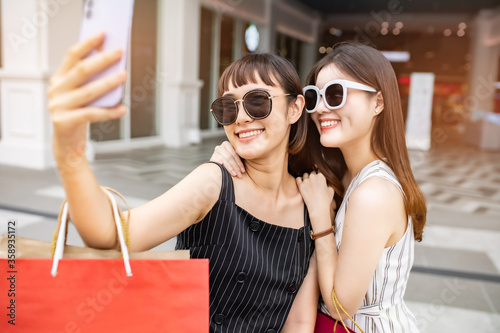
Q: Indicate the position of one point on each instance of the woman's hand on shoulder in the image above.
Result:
(316, 193)
(226, 155)
(69, 94)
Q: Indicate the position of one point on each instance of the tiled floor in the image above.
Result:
(455, 284)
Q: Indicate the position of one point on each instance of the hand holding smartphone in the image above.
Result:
(114, 18)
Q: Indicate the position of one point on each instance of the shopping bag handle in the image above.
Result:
(62, 228)
(66, 220)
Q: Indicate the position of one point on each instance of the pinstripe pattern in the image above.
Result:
(383, 308)
(256, 268)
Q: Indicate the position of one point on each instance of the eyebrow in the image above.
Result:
(233, 95)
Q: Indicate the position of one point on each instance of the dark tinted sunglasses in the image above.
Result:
(334, 94)
(256, 103)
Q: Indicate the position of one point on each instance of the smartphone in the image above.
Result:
(114, 17)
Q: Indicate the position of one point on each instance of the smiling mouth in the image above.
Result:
(244, 135)
(329, 123)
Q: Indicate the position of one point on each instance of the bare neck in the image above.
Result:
(356, 157)
(269, 176)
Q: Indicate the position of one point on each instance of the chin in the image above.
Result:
(328, 141)
(248, 153)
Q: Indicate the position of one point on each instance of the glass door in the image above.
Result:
(221, 42)
(141, 86)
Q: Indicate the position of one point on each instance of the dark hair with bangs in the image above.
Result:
(275, 71)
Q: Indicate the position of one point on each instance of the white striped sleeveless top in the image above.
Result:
(383, 308)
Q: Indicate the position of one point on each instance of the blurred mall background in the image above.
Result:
(180, 48)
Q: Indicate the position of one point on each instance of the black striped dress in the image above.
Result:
(256, 268)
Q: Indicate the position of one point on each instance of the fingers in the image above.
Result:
(80, 97)
(86, 115)
(230, 149)
(314, 178)
(225, 154)
(81, 71)
(79, 51)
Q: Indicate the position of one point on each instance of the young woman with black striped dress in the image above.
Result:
(253, 230)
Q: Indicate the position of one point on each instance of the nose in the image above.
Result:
(321, 107)
(242, 116)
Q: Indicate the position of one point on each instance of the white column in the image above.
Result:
(35, 35)
(268, 30)
(179, 88)
(484, 65)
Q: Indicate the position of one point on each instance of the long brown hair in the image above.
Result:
(370, 67)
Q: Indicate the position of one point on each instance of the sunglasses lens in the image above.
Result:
(311, 97)
(257, 104)
(224, 110)
(334, 95)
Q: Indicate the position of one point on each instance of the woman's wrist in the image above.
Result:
(322, 233)
(322, 218)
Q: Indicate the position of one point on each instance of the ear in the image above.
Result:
(295, 109)
(379, 103)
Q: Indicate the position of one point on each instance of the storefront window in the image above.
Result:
(143, 83)
(222, 40)
(289, 48)
(226, 42)
(140, 94)
(206, 31)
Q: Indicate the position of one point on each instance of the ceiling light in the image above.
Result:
(396, 31)
(384, 31)
(335, 32)
(397, 56)
(462, 26)
(322, 49)
(447, 32)
(399, 25)
(460, 33)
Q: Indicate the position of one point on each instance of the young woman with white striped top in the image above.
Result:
(253, 230)
(365, 239)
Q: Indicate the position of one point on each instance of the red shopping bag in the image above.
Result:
(95, 295)
(326, 324)
(68, 294)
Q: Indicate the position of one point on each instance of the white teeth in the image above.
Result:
(251, 133)
(329, 123)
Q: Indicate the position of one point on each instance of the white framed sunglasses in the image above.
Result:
(334, 94)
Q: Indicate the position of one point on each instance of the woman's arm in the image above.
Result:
(302, 316)
(150, 224)
(68, 96)
(375, 208)
(180, 207)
